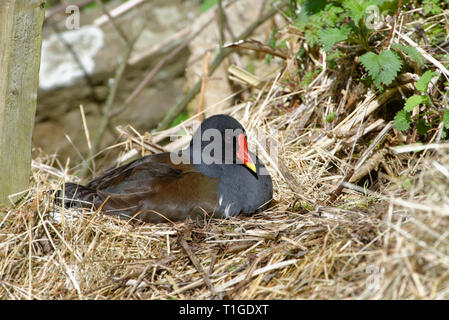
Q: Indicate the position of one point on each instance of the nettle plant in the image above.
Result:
(351, 27)
(328, 23)
(426, 115)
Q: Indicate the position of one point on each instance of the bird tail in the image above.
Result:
(75, 195)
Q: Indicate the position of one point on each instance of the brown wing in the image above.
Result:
(153, 188)
(131, 175)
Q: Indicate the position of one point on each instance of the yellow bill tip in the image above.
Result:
(252, 166)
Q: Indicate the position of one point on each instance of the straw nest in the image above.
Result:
(390, 243)
(353, 216)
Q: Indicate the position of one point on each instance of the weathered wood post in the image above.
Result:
(20, 53)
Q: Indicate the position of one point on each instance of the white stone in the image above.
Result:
(58, 66)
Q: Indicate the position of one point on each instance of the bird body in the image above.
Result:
(156, 188)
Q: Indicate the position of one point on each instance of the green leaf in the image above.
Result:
(358, 8)
(272, 39)
(333, 14)
(406, 184)
(412, 53)
(291, 10)
(306, 79)
(311, 37)
(402, 120)
(390, 67)
(413, 101)
(250, 67)
(207, 4)
(398, 46)
(330, 117)
(355, 8)
(330, 36)
(446, 119)
(422, 127)
(431, 6)
(183, 116)
(383, 68)
(92, 5)
(311, 7)
(370, 61)
(423, 82)
(444, 133)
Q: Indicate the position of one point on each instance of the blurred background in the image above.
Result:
(83, 50)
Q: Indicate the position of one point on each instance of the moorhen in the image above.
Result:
(214, 175)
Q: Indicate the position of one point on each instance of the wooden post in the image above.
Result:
(20, 54)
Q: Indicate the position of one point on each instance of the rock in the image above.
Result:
(59, 68)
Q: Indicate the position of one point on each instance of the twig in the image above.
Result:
(221, 55)
(171, 41)
(203, 86)
(156, 70)
(262, 270)
(369, 165)
(108, 105)
(86, 132)
(242, 76)
(159, 66)
(257, 46)
(222, 23)
(75, 57)
(213, 258)
(238, 288)
(373, 145)
(153, 147)
(196, 263)
(362, 159)
(340, 187)
(292, 182)
(118, 11)
(139, 280)
(370, 104)
(114, 23)
(425, 55)
(390, 34)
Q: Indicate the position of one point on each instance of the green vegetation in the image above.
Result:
(207, 4)
(382, 68)
(351, 31)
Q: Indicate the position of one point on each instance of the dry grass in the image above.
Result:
(384, 237)
(372, 246)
